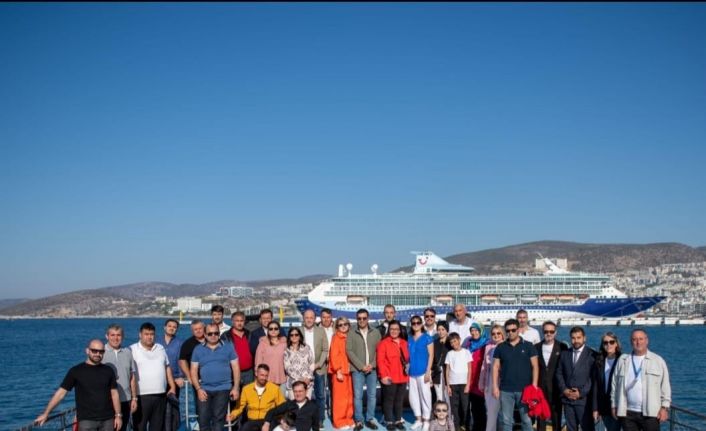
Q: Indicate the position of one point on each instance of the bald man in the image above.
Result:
(97, 398)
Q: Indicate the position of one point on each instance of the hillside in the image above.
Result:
(581, 256)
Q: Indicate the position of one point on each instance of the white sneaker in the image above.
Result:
(416, 425)
(425, 427)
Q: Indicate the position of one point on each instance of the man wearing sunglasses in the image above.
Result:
(361, 347)
(548, 353)
(216, 376)
(97, 399)
(515, 366)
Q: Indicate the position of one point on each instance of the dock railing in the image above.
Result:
(685, 420)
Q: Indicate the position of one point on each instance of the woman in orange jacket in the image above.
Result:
(392, 361)
(341, 382)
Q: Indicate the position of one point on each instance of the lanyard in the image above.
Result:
(635, 370)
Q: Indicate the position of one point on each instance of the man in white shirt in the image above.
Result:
(527, 332)
(462, 322)
(641, 393)
(217, 318)
(153, 377)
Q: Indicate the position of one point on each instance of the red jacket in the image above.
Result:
(538, 406)
(389, 360)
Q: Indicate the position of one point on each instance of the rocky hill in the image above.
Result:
(581, 256)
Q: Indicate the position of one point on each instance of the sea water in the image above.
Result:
(36, 354)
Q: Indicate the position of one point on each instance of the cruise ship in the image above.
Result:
(554, 294)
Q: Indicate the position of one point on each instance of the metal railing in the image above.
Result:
(683, 419)
(60, 421)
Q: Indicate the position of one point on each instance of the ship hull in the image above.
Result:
(591, 308)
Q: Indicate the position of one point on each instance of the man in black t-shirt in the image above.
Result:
(97, 399)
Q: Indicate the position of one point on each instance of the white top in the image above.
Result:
(547, 352)
(458, 360)
(633, 383)
(151, 368)
(431, 331)
(531, 335)
(309, 340)
(462, 329)
(606, 372)
(223, 328)
(364, 333)
(329, 333)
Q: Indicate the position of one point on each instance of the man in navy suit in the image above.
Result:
(573, 379)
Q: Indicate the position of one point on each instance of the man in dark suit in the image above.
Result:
(548, 352)
(573, 379)
(307, 411)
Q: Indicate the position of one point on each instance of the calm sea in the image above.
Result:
(37, 353)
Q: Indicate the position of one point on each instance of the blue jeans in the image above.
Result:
(320, 384)
(508, 401)
(361, 379)
(212, 412)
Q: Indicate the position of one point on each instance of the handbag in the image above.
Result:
(405, 364)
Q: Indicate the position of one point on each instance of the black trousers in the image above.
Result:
(150, 412)
(635, 421)
(459, 405)
(393, 396)
(252, 425)
(556, 407)
(578, 415)
(478, 412)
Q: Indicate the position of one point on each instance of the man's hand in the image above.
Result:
(117, 423)
(663, 414)
(203, 396)
(266, 426)
(368, 368)
(133, 405)
(41, 419)
(596, 416)
(427, 377)
(386, 381)
(339, 375)
(496, 393)
(615, 413)
(467, 389)
(179, 382)
(234, 393)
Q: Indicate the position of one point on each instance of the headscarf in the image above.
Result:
(474, 345)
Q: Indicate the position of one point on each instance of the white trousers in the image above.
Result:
(420, 397)
(492, 407)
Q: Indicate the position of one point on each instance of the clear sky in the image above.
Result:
(198, 142)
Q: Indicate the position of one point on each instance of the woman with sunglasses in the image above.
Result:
(603, 378)
(340, 377)
(476, 344)
(421, 358)
(270, 351)
(485, 380)
(298, 362)
(392, 360)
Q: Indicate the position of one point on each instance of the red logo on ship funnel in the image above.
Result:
(422, 261)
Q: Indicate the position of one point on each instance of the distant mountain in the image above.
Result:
(117, 300)
(4, 303)
(581, 256)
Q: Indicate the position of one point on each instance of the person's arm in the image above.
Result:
(276, 411)
(614, 390)
(240, 405)
(446, 377)
(483, 373)
(430, 362)
(383, 369)
(665, 393)
(259, 355)
(133, 392)
(200, 392)
(324, 352)
(469, 381)
(185, 369)
(53, 402)
(559, 377)
(496, 378)
(535, 371)
(115, 397)
(235, 369)
(170, 380)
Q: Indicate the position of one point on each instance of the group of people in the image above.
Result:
(455, 375)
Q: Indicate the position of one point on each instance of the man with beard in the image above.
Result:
(97, 399)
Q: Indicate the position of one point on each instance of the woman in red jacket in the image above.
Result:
(392, 362)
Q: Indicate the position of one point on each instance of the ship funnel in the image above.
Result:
(340, 270)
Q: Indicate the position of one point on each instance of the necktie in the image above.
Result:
(576, 355)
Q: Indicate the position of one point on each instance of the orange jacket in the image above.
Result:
(389, 359)
(338, 358)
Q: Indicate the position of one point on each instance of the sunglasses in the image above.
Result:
(417, 323)
(293, 335)
(496, 333)
(607, 342)
(361, 318)
(441, 410)
(97, 351)
(549, 332)
(511, 330)
(213, 333)
(274, 328)
(341, 325)
(429, 316)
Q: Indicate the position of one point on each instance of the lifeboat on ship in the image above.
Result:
(508, 298)
(356, 299)
(489, 298)
(444, 299)
(548, 297)
(528, 298)
(566, 298)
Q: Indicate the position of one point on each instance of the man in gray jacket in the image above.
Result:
(315, 337)
(640, 392)
(361, 345)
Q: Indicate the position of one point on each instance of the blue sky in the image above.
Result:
(197, 142)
